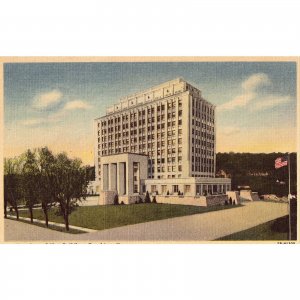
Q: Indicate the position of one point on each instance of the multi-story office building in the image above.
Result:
(174, 127)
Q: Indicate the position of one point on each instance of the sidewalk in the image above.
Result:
(60, 225)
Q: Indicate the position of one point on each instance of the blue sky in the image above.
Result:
(55, 104)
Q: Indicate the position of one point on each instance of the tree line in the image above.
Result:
(41, 178)
(258, 171)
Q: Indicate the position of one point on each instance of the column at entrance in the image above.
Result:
(104, 177)
(113, 177)
(121, 180)
(129, 178)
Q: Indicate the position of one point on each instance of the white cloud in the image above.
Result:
(270, 101)
(238, 101)
(77, 104)
(256, 81)
(45, 100)
(58, 115)
(251, 96)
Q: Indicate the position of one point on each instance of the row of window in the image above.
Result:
(160, 133)
(144, 141)
(125, 130)
(171, 104)
(207, 143)
(142, 123)
(142, 150)
(202, 169)
(204, 132)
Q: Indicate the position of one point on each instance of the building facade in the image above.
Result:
(174, 127)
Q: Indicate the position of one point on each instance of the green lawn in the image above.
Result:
(109, 216)
(276, 230)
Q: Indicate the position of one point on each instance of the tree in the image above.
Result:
(147, 198)
(154, 199)
(90, 173)
(47, 188)
(30, 181)
(70, 184)
(12, 192)
(257, 170)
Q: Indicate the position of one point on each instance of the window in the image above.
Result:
(153, 188)
(164, 189)
(175, 188)
(135, 188)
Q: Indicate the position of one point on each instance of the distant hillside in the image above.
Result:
(257, 170)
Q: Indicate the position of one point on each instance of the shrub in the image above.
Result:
(147, 198)
(230, 201)
(233, 202)
(116, 199)
(154, 199)
(168, 193)
(140, 200)
(226, 202)
(122, 203)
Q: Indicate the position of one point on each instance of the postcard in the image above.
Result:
(149, 150)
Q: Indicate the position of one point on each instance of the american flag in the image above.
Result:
(281, 162)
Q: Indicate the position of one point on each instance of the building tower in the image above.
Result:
(168, 130)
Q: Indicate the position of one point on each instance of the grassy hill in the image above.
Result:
(257, 170)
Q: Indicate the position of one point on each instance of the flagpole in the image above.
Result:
(289, 197)
(289, 174)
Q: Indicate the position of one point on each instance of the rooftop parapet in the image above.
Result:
(157, 92)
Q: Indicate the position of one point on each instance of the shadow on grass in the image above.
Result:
(51, 226)
(275, 230)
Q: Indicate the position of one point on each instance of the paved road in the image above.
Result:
(201, 227)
